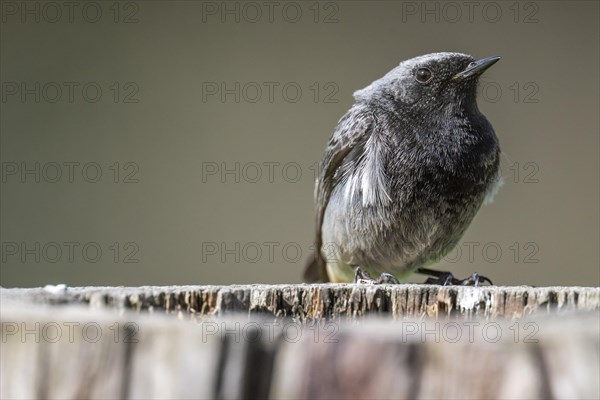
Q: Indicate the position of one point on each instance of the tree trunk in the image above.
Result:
(300, 341)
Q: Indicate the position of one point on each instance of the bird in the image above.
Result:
(404, 173)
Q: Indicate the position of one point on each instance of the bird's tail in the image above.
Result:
(315, 270)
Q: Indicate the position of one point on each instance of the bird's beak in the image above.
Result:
(476, 67)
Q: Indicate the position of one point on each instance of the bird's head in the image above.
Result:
(428, 84)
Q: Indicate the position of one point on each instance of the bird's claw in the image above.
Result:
(363, 277)
(475, 279)
(447, 279)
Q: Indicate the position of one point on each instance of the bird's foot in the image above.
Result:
(446, 278)
(363, 277)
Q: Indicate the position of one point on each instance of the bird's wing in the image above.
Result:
(353, 128)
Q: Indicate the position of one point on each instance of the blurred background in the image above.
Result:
(177, 142)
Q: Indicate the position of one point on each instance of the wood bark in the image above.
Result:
(328, 301)
(300, 341)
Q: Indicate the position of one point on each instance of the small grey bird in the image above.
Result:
(404, 173)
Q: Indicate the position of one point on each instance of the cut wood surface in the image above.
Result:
(300, 341)
(327, 301)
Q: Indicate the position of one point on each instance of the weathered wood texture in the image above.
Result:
(327, 301)
(300, 341)
(72, 352)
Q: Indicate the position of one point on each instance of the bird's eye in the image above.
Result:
(423, 75)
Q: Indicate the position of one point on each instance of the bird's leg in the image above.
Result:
(446, 278)
(387, 278)
(361, 276)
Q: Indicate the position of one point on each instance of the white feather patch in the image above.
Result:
(493, 189)
(373, 182)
